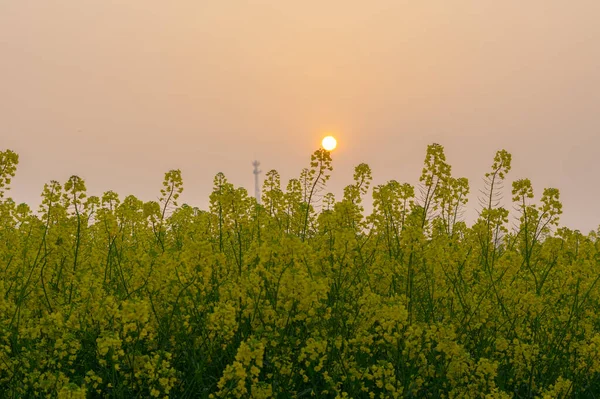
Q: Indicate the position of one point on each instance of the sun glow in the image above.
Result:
(329, 143)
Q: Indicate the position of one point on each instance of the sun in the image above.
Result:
(329, 143)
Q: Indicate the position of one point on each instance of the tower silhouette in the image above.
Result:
(256, 172)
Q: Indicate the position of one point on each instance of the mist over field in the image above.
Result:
(118, 93)
(274, 199)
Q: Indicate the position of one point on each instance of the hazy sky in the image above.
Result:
(119, 92)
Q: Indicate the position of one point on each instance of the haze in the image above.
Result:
(119, 92)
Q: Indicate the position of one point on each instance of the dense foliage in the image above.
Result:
(299, 296)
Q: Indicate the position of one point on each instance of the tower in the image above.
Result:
(256, 172)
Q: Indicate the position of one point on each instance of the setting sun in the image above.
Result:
(329, 143)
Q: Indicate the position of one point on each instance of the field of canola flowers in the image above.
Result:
(302, 296)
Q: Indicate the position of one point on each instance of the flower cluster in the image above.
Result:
(299, 295)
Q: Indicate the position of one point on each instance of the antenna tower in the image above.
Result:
(256, 172)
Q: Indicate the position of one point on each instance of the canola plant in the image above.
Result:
(300, 296)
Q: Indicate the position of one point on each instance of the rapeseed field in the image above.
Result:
(303, 295)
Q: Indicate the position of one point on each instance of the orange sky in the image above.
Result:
(119, 92)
